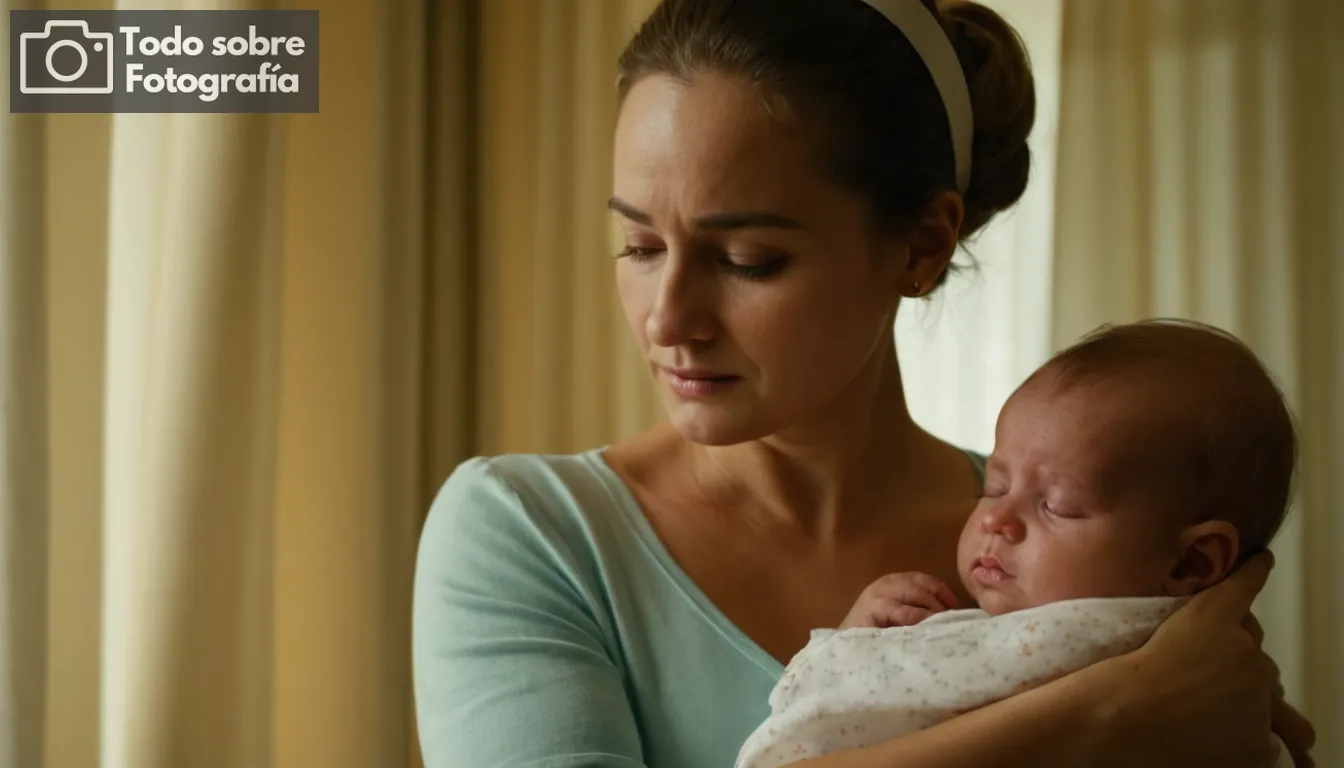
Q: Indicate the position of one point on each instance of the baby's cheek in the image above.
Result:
(1054, 591)
(969, 547)
(1101, 576)
(1054, 577)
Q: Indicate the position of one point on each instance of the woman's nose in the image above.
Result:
(1002, 520)
(683, 305)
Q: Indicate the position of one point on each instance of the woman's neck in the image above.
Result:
(824, 477)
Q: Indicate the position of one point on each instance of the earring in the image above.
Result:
(915, 288)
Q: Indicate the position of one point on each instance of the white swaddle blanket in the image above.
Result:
(858, 687)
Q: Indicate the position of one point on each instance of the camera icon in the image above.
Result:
(39, 71)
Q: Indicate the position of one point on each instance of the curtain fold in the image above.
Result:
(24, 471)
(449, 293)
(248, 347)
(218, 343)
(558, 368)
(189, 438)
(193, 309)
(76, 176)
(1201, 174)
(351, 366)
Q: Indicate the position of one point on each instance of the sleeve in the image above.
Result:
(510, 667)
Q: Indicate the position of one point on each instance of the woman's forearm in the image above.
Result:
(1073, 721)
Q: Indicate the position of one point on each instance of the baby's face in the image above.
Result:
(1065, 514)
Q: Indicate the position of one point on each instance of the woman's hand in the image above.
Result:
(1295, 730)
(1201, 691)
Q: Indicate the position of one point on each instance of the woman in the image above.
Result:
(786, 172)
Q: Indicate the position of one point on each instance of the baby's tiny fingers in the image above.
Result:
(940, 590)
(919, 595)
(908, 615)
(947, 596)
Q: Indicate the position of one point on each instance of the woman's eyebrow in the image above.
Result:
(718, 221)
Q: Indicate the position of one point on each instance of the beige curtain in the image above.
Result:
(1201, 174)
(238, 355)
(24, 470)
(558, 365)
(215, 382)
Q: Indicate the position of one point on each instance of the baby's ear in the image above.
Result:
(1208, 552)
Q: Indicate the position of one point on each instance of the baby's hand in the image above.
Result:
(900, 600)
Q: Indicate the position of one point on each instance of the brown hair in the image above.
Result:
(1228, 434)
(853, 79)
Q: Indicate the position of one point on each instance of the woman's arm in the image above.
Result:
(1200, 692)
(510, 664)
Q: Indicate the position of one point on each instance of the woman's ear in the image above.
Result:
(1208, 552)
(932, 243)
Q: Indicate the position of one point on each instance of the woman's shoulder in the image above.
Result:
(523, 472)
(525, 484)
(557, 506)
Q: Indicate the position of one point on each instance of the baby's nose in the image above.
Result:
(1002, 520)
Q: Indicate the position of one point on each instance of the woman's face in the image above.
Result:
(757, 293)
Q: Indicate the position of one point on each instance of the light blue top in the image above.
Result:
(553, 628)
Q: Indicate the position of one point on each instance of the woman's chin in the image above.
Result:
(715, 424)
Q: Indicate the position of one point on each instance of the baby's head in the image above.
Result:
(1148, 459)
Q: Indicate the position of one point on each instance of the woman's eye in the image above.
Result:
(638, 252)
(751, 271)
(756, 271)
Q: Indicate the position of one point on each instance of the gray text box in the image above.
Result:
(163, 61)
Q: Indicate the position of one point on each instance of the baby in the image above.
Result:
(1129, 472)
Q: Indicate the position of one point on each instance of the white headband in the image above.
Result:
(929, 40)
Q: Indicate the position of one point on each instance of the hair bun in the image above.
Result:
(1003, 99)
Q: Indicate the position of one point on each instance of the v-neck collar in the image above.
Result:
(633, 514)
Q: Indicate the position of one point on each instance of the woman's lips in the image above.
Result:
(988, 572)
(699, 383)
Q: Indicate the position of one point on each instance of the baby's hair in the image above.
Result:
(1232, 433)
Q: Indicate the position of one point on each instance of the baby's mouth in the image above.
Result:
(987, 571)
